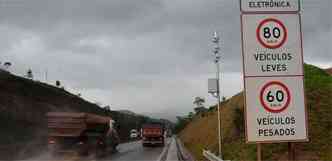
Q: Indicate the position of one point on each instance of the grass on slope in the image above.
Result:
(202, 131)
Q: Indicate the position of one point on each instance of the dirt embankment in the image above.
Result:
(201, 132)
(329, 70)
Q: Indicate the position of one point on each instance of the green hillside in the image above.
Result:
(201, 132)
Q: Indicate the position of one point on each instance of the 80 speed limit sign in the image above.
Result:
(271, 44)
(271, 33)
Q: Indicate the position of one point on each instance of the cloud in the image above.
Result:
(155, 53)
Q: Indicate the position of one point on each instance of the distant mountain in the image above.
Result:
(128, 112)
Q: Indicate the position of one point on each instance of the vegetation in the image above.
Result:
(29, 74)
(199, 109)
(202, 132)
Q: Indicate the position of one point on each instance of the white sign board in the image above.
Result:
(270, 5)
(212, 85)
(271, 44)
(275, 109)
(273, 71)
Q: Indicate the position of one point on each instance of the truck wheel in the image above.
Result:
(52, 150)
(100, 152)
(163, 142)
(83, 150)
(114, 150)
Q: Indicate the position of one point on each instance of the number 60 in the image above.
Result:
(279, 96)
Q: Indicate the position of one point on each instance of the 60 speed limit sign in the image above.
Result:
(275, 96)
(275, 109)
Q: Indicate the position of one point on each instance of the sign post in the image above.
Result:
(273, 72)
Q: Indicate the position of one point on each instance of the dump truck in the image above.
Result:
(153, 134)
(81, 133)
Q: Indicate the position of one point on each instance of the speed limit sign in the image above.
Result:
(275, 109)
(271, 33)
(271, 44)
(275, 96)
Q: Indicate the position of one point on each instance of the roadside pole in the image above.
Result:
(219, 117)
(291, 151)
(214, 87)
(259, 152)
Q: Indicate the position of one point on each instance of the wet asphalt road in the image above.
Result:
(134, 151)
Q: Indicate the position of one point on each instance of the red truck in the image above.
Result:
(153, 134)
(81, 133)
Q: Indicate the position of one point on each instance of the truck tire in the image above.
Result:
(100, 152)
(83, 150)
(163, 142)
(52, 150)
(114, 149)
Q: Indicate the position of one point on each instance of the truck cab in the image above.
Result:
(153, 134)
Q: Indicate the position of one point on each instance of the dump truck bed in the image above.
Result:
(73, 124)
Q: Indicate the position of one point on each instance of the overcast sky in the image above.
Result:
(148, 56)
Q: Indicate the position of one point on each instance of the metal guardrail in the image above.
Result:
(179, 151)
(210, 156)
(183, 153)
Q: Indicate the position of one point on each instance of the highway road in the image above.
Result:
(134, 151)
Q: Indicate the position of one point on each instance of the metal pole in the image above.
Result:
(259, 152)
(217, 59)
(291, 151)
(218, 99)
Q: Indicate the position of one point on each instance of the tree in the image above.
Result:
(7, 65)
(107, 108)
(190, 115)
(198, 101)
(29, 74)
(57, 83)
(180, 124)
(200, 110)
(223, 99)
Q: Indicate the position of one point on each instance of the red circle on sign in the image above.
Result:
(266, 107)
(268, 45)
